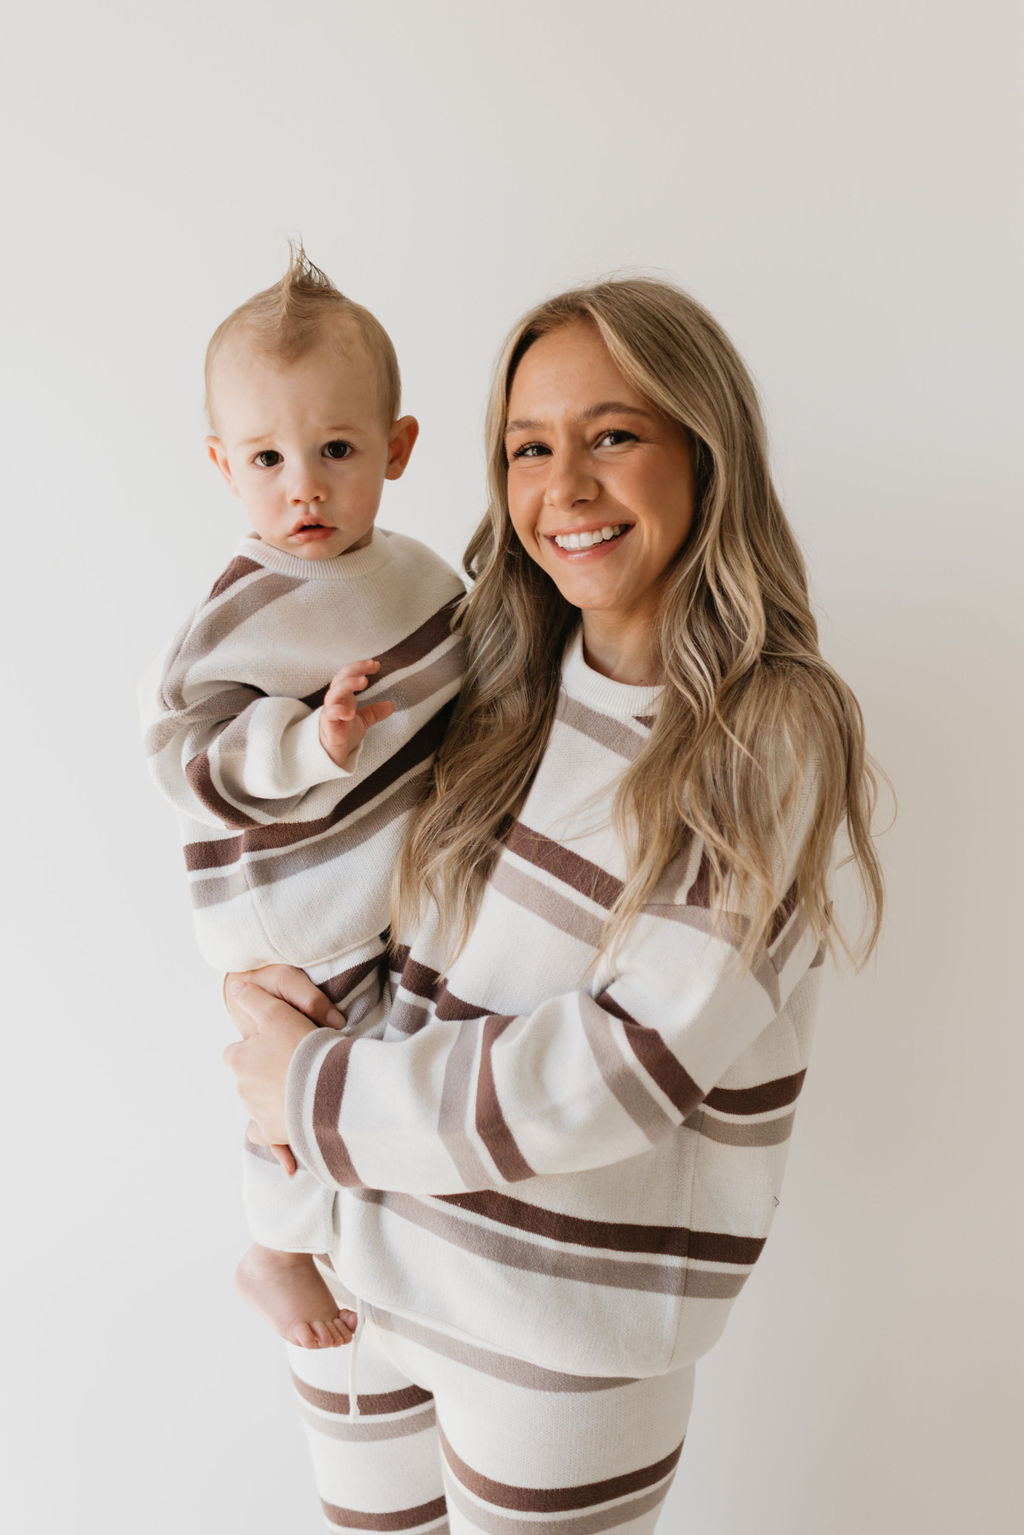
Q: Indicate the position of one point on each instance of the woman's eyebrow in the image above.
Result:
(605, 408)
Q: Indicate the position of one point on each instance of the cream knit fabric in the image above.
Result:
(576, 1165)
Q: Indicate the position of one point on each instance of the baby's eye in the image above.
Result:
(337, 449)
(268, 459)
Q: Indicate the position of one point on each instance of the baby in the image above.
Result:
(293, 784)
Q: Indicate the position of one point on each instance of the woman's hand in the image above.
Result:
(271, 1030)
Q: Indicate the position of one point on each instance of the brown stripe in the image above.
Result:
(327, 1096)
(240, 566)
(554, 909)
(373, 1404)
(200, 780)
(609, 1236)
(637, 1100)
(619, 1517)
(669, 1277)
(657, 1059)
(417, 978)
(339, 986)
(587, 878)
(699, 893)
(420, 642)
(452, 1113)
(402, 1519)
(554, 1500)
(490, 1121)
(759, 1099)
(212, 710)
(228, 850)
(785, 909)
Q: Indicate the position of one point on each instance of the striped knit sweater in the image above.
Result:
(577, 1165)
(289, 856)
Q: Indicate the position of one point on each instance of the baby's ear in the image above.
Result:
(215, 448)
(401, 440)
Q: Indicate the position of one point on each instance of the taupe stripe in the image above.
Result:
(557, 910)
(199, 774)
(327, 1096)
(490, 1121)
(609, 1236)
(598, 727)
(765, 1132)
(517, 1372)
(587, 878)
(671, 1277)
(759, 1099)
(422, 1516)
(598, 1520)
(358, 1431)
(205, 711)
(371, 1405)
(215, 889)
(212, 627)
(819, 958)
(455, 1097)
(638, 1103)
(791, 936)
(407, 1017)
(656, 1059)
(556, 1500)
(416, 751)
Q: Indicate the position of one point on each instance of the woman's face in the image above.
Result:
(600, 484)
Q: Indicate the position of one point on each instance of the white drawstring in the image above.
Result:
(353, 1399)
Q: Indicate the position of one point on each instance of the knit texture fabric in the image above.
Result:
(289, 856)
(577, 1164)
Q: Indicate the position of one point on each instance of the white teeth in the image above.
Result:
(587, 540)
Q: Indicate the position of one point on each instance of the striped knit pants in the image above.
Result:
(456, 1437)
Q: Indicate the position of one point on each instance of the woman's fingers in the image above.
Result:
(292, 986)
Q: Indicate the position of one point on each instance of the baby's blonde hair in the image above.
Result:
(288, 320)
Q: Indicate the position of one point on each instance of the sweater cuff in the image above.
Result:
(299, 1096)
(312, 764)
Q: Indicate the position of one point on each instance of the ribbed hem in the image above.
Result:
(353, 566)
(581, 682)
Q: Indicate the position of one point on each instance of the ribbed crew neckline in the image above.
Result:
(581, 682)
(353, 566)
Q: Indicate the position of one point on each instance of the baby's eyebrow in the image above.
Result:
(605, 408)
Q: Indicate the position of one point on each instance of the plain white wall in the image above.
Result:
(834, 181)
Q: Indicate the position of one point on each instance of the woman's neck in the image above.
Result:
(623, 649)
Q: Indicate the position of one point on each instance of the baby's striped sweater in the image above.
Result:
(289, 856)
(579, 1166)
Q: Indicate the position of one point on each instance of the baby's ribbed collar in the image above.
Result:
(581, 682)
(353, 566)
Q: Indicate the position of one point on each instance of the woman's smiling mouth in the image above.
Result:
(590, 538)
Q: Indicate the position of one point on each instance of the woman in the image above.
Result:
(562, 1152)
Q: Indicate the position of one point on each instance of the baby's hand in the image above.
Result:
(342, 724)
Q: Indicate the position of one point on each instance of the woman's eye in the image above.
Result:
(268, 459)
(337, 449)
(530, 450)
(615, 435)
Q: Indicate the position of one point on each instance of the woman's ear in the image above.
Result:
(401, 441)
(215, 449)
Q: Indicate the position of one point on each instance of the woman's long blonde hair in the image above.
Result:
(751, 716)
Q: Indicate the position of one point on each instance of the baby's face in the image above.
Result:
(304, 444)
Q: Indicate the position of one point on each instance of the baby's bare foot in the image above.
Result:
(287, 1290)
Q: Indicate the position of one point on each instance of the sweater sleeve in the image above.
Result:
(581, 1082)
(227, 755)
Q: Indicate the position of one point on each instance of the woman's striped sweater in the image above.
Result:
(577, 1165)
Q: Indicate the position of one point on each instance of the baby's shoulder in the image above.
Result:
(409, 555)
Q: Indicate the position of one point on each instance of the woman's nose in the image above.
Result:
(569, 481)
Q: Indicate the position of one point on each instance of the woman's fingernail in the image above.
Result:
(336, 1019)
